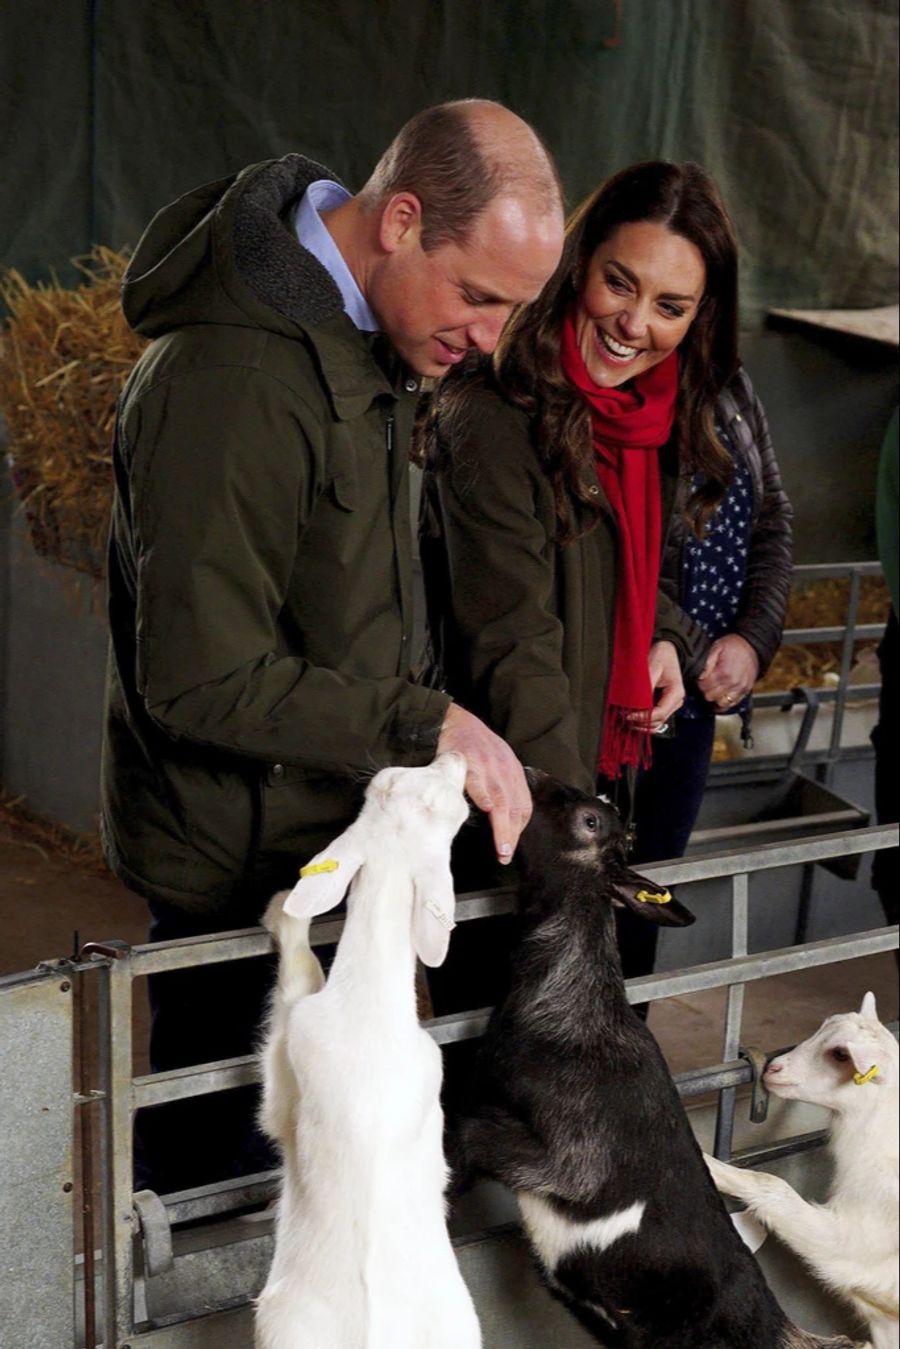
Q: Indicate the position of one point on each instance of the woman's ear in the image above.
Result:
(324, 881)
(434, 906)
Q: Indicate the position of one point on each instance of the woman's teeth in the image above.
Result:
(623, 353)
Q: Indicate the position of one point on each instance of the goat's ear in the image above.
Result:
(870, 1064)
(648, 900)
(434, 904)
(323, 881)
(868, 1008)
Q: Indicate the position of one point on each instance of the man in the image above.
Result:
(260, 569)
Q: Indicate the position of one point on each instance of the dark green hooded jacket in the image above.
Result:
(260, 558)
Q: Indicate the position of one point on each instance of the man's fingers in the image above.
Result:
(505, 836)
(507, 820)
(496, 780)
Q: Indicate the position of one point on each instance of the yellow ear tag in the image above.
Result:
(654, 896)
(862, 1078)
(317, 868)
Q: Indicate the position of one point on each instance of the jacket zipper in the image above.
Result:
(404, 657)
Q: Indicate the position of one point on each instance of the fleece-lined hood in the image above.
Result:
(227, 253)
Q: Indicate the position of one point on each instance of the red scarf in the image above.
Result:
(628, 426)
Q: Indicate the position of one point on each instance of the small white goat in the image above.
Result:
(362, 1255)
(851, 1241)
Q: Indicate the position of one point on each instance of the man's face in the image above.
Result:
(436, 306)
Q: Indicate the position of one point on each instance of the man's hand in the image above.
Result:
(495, 782)
(731, 670)
(666, 680)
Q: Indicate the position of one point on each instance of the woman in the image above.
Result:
(612, 404)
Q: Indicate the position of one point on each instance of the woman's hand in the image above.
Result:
(665, 680)
(731, 670)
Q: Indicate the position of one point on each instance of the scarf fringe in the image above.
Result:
(626, 742)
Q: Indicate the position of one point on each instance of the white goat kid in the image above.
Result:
(849, 1066)
(362, 1255)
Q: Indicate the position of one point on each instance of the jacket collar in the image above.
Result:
(356, 367)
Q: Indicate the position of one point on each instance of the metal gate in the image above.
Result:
(156, 1283)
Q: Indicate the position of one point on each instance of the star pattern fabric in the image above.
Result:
(714, 568)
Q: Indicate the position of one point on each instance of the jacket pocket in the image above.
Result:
(343, 466)
(300, 811)
(345, 489)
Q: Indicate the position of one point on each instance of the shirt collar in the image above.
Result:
(312, 233)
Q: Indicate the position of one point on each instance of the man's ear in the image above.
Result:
(648, 900)
(401, 221)
(323, 881)
(434, 906)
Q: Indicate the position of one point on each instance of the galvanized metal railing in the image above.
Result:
(103, 979)
(848, 635)
(119, 1093)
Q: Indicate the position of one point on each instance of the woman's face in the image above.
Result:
(641, 294)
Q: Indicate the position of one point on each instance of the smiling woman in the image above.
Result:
(554, 471)
(612, 427)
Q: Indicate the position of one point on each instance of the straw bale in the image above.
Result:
(64, 357)
(21, 825)
(820, 604)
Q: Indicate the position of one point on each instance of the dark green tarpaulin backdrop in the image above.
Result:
(118, 106)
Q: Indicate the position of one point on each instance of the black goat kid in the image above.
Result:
(577, 1113)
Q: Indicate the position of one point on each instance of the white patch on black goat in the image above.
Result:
(555, 1236)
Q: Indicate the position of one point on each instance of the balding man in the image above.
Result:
(260, 561)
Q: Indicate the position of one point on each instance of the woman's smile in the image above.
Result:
(616, 350)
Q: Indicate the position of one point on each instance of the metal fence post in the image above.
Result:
(117, 1073)
(733, 1016)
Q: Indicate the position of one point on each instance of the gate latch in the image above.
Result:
(157, 1232)
(759, 1100)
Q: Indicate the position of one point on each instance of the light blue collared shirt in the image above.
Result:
(312, 232)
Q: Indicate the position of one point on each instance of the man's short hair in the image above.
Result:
(440, 156)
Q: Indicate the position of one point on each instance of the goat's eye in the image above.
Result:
(840, 1055)
(591, 822)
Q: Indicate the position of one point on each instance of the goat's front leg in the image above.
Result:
(809, 1229)
(299, 975)
(501, 1145)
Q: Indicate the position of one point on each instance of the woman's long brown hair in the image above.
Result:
(526, 364)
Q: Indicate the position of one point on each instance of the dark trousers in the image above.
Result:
(197, 1016)
(885, 868)
(666, 805)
